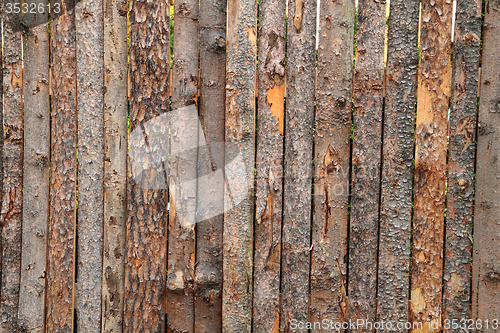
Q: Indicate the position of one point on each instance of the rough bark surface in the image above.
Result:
(269, 196)
(63, 173)
(181, 239)
(12, 155)
(298, 162)
(366, 158)
(486, 265)
(1, 147)
(208, 269)
(461, 155)
(397, 163)
(145, 269)
(115, 163)
(36, 172)
(90, 109)
(430, 162)
(332, 161)
(241, 44)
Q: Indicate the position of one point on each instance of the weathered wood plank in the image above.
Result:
(1, 148)
(486, 264)
(115, 163)
(12, 173)
(461, 160)
(298, 169)
(366, 158)
(332, 161)
(36, 172)
(397, 162)
(208, 270)
(183, 169)
(63, 172)
(269, 191)
(145, 269)
(90, 109)
(430, 162)
(241, 44)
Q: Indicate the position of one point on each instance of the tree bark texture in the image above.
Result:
(90, 106)
(397, 163)
(12, 155)
(241, 45)
(115, 163)
(209, 231)
(63, 167)
(300, 93)
(461, 158)
(303, 271)
(269, 192)
(332, 161)
(486, 265)
(430, 162)
(366, 158)
(182, 240)
(36, 172)
(145, 269)
(1, 150)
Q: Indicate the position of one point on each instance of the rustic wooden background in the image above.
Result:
(375, 166)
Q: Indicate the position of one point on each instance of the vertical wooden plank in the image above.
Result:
(332, 161)
(181, 239)
(397, 162)
(12, 155)
(63, 172)
(269, 191)
(301, 64)
(240, 143)
(90, 109)
(486, 265)
(430, 162)
(36, 171)
(115, 163)
(1, 149)
(461, 158)
(208, 269)
(145, 269)
(366, 158)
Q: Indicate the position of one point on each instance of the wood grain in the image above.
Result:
(397, 163)
(366, 159)
(36, 172)
(145, 268)
(332, 161)
(1, 149)
(12, 157)
(90, 109)
(461, 162)
(269, 165)
(430, 163)
(241, 46)
(63, 168)
(115, 163)
(210, 218)
(298, 169)
(486, 264)
(183, 169)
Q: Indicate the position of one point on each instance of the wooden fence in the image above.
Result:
(362, 176)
